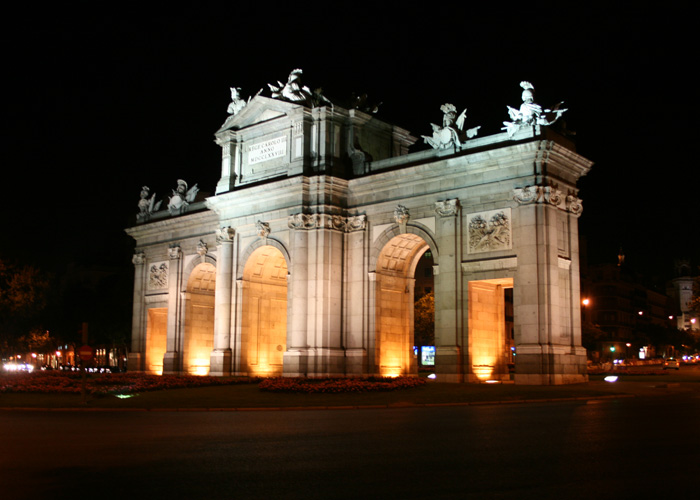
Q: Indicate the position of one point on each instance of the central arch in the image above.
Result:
(395, 273)
(264, 319)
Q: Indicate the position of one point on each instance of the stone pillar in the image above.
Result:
(230, 161)
(372, 324)
(171, 360)
(295, 357)
(325, 297)
(449, 328)
(220, 360)
(545, 340)
(354, 297)
(138, 320)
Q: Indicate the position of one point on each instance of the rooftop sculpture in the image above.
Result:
(449, 135)
(292, 91)
(530, 113)
(236, 105)
(147, 205)
(182, 197)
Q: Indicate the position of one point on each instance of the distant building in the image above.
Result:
(618, 301)
(680, 289)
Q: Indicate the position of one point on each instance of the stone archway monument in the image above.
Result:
(316, 227)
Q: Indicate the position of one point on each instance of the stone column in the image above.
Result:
(171, 360)
(138, 328)
(449, 328)
(295, 357)
(355, 296)
(373, 284)
(237, 311)
(220, 360)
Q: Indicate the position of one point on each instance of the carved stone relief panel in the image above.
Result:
(158, 276)
(489, 231)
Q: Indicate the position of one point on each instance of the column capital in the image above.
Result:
(225, 235)
(138, 259)
(174, 252)
(447, 208)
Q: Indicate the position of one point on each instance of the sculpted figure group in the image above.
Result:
(450, 134)
(530, 113)
(177, 204)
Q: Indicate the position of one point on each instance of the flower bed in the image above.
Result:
(117, 383)
(132, 383)
(337, 385)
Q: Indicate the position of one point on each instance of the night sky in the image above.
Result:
(105, 99)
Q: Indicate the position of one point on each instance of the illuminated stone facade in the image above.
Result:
(303, 262)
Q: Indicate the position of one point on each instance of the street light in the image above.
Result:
(585, 303)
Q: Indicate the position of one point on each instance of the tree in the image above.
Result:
(23, 295)
(424, 320)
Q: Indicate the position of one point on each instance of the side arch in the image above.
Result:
(259, 243)
(199, 297)
(192, 265)
(389, 234)
(264, 301)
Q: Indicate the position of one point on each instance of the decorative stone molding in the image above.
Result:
(325, 221)
(490, 265)
(302, 221)
(574, 205)
(263, 229)
(401, 214)
(447, 208)
(550, 195)
(298, 128)
(225, 234)
(138, 259)
(356, 223)
(174, 251)
(202, 249)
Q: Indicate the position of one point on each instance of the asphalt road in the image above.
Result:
(620, 448)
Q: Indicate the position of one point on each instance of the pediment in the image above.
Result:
(259, 110)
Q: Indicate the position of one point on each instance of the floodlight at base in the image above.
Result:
(611, 378)
(432, 376)
(493, 381)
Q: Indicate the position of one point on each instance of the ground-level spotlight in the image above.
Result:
(611, 378)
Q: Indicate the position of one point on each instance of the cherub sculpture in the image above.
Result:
(449, 135)
(147, 205)
(530, 113)
(292, 91)
(182, 197)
